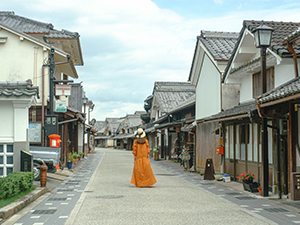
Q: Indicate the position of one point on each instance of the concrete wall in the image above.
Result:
(230, 95)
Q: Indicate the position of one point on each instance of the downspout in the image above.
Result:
(43, 106)
(291, 50)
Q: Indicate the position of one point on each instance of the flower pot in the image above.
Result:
(250, 186)
(156, 155)
(186, 157)
(69, 164)
(259, 189)
(218, 177)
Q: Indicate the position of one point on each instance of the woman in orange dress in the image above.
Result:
(142, 174)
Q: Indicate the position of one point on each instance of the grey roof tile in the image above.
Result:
(289, 88)
(18, 89)
(242, 109)
(31, 26)
(281, 31)
(171, 94)
(99, 125)
(219, 44)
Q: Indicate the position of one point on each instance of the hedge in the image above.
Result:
(15, 183)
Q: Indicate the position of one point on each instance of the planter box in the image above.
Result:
(252, 187)
(156, 155)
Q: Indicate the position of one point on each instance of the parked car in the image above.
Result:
(49, 155)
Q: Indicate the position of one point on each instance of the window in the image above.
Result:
(259, 141)
(6, 159)
(256, 82)
(255, 142)
(237, 142)
(231, 153)
(249, 142)
(227, 142)
(243, 142)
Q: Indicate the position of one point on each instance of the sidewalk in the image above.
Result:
(53, 180)
(237, 186)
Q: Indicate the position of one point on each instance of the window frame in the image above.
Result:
(6, 154)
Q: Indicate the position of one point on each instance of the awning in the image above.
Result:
(189, 127)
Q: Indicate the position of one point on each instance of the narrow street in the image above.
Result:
(99, 192)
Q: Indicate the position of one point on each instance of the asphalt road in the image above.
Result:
(99, 192)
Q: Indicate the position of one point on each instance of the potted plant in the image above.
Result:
(70, 160)
(185, 156)
(80, 154)
(248, 184)
(75, 157)
(156, 154)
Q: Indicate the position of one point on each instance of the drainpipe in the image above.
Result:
(43, 106)
(260, 113)
(291, 50)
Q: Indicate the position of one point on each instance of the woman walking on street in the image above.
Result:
(142, 175)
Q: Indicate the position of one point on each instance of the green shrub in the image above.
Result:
(15, 183)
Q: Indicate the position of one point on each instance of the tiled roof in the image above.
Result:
(289, 88)
(99, 125)
(189, 102)
(134, 120)
(18, 89)
(171, 94)
(30, 26)
(281, 31)
(241, 109)
(62, 34)
(219, 44)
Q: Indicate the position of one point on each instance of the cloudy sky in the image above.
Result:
(127, 45)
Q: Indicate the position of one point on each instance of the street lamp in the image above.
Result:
(84, 101)
(262, 37)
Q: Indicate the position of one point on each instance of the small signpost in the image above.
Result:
(62, 90)
(60, 106)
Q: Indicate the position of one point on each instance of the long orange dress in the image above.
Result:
(142, 174)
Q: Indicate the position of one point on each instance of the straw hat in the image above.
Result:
(139, 133)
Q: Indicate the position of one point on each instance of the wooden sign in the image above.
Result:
(209, 170)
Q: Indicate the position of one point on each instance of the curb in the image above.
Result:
(14, 207)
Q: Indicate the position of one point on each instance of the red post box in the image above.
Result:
(220, 150)
(54, 140)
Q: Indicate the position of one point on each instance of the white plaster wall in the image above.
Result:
(283, 72)
(24, 60)
(208, 90)
(6, 121)
(246, 88)
(20, 120)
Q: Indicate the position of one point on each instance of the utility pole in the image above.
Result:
(51, 83)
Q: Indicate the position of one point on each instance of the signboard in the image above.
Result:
(60, 106)
(35, 133)
(62, 89)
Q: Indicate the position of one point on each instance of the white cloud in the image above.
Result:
(127, 45)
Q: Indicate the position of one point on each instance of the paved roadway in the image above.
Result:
(99, 192)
